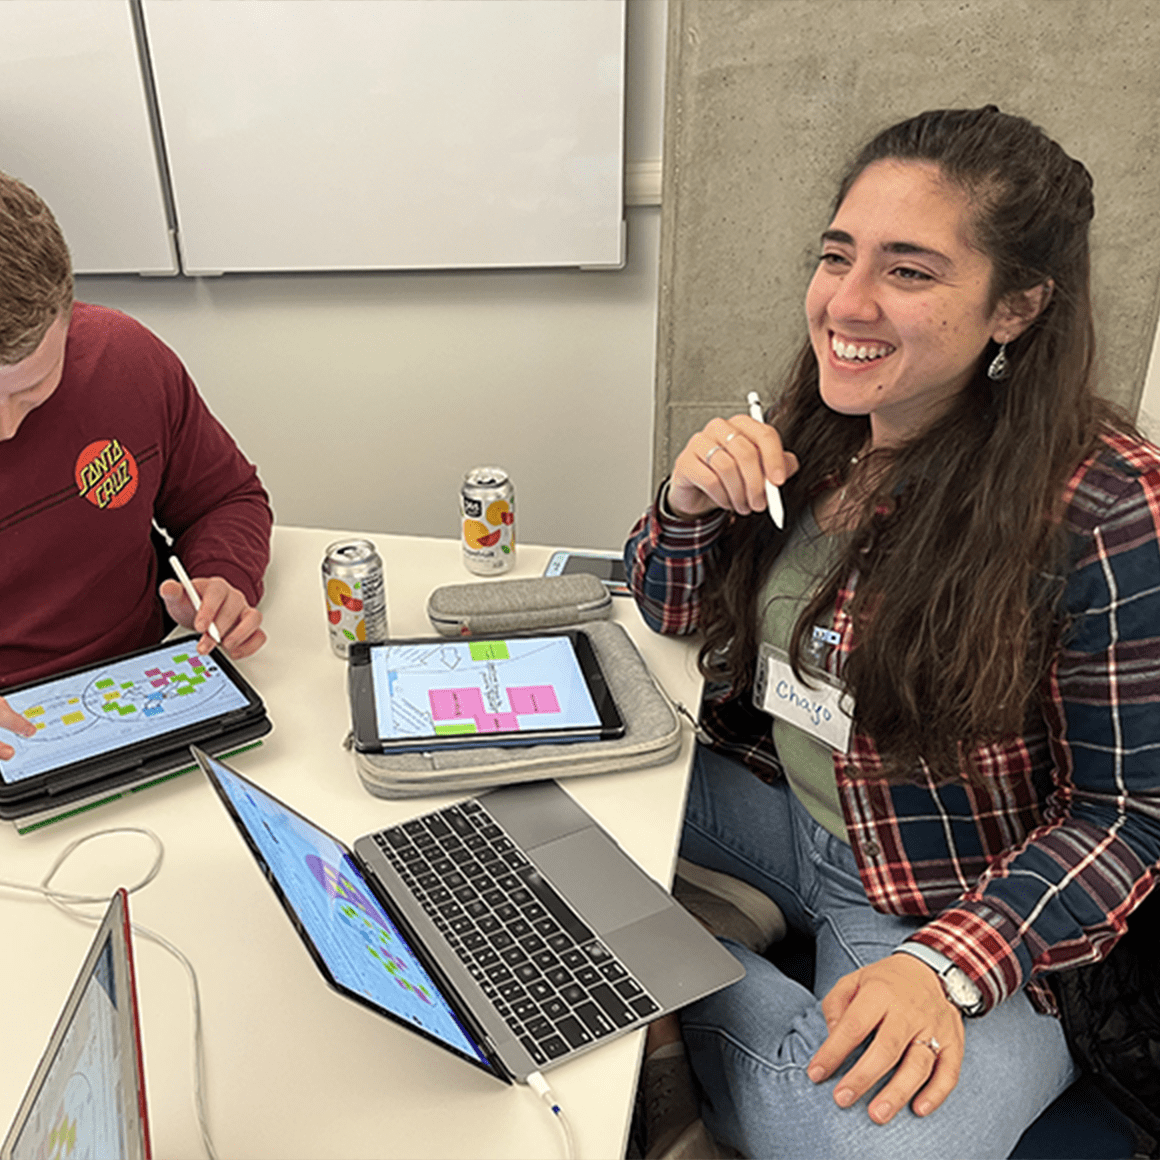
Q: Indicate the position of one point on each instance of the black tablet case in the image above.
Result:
(80, 789)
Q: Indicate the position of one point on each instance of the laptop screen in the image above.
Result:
(355, 941)
(87, 1098)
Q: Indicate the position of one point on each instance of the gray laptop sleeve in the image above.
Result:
(652, 736)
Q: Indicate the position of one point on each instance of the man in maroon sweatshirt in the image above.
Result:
(102, 431)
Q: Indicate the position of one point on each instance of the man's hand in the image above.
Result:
(900, 1001)
(10, 719)
(225, 606)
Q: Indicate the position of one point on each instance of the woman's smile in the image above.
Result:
(858, 353)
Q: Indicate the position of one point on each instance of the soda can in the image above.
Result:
(356, 601)
(487, 509)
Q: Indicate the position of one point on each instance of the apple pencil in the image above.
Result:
(772, 495)
(191, 592)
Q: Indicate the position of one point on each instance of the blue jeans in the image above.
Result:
(750, 1044)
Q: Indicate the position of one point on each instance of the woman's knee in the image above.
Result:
(766, 1015)
(750, 1056)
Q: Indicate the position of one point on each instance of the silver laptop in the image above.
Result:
(508, 928)
(87, 1097)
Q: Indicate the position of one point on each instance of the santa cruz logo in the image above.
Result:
(106, 474)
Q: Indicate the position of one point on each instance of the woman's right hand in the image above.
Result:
(10, 719)
(726, 464)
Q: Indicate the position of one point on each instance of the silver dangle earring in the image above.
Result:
(1000, 365)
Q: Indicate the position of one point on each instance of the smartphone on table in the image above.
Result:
(608, 567)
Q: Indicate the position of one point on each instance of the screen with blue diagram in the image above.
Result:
(118, 704)
(362, 948)
(77, 1112)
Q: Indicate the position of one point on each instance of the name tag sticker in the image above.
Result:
(822, 709)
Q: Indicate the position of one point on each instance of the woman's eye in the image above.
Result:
(831, 260)
(909, 274)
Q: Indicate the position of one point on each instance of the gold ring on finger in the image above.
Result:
(931, 1042)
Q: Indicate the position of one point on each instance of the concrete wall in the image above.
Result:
(364, 397)
(769, 99)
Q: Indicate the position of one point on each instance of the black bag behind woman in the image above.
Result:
(1111, 1016)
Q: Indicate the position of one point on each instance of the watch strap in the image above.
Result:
(942, 966)
(936, 960)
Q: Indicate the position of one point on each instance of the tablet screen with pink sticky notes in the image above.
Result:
(418, 695)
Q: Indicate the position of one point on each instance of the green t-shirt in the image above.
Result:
(796, 573)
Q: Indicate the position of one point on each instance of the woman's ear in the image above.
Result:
(1019, 309)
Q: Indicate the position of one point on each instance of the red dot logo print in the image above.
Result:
(106, 474)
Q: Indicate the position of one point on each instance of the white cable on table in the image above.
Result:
(67, 904)
(540, 1086)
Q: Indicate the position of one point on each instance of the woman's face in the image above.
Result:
(898, 309)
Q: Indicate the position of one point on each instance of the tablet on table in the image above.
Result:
(439, 693)
(124, 717)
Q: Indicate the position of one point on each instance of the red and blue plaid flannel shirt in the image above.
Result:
(1038, 869)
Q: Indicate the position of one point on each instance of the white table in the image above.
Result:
(295, 1070)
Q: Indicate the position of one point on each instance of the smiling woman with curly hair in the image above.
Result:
(945, 670)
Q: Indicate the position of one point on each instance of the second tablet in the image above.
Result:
(427, 694)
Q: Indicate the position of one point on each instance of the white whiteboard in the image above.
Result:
(74, 125)
(392, 134)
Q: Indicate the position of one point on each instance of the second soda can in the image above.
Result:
(487, 509)
(356, 602)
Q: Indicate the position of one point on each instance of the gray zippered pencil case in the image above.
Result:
(488, 606)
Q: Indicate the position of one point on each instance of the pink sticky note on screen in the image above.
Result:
(497, 723)
(533, 699)
(453, 704)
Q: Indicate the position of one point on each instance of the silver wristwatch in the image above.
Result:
(958, 985)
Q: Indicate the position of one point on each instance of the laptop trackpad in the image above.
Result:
(600, 881)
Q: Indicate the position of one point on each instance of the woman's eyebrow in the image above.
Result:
(843, 238)
(837, 236)
(914, 248)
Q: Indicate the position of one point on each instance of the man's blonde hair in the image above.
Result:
(36, 281)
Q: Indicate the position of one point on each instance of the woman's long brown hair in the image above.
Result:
(958, 555)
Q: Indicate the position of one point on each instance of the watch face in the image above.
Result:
(961, 991)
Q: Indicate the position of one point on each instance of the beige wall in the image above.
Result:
(364, 397)
(768, 100)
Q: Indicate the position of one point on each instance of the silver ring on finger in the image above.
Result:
(731, 436)
(931, 1043)
(711, 452)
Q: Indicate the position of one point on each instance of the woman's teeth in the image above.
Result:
(852, 352)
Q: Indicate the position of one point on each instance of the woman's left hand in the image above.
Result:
(900, 1001)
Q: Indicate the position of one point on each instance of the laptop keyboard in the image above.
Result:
(554, 982)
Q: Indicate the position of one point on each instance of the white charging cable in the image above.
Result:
(540, 1086)
(67, 903)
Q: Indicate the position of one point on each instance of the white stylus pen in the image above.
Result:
(772, 495)
(191, 592)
